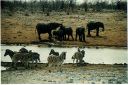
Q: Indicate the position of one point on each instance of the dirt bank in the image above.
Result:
(19, 28)
(69, 73)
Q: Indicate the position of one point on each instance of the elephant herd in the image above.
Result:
(61, 32)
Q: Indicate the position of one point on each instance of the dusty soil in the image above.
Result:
(19, 28)
(69, 73)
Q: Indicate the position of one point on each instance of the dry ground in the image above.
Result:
(89, 74)
(19, 28)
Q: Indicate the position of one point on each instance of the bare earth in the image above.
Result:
(19, 28)
(69, 73)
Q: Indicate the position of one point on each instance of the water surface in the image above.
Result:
(92, 55)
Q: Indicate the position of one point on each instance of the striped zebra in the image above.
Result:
(35, 57)
(54, 60)
(23, 50)
(23, 57)
(78, 56)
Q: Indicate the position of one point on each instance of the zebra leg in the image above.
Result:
(12, 64)
(15, 65)
(49, 65)
(73, 60)
(36, 62)
(76, 60)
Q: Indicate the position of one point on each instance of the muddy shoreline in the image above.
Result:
(50, 44)
(68, 73)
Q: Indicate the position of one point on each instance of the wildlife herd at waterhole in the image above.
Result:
(59, 32)
(29, 58)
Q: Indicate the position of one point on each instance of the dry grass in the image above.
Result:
(19, 28)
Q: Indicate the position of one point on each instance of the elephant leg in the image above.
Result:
(97, 32)
(83, 37)
(50, 35)
(79, 37)
(64, 37)
(68, 37)
(39, 36)
(76, 37)
(60, 38)
(72, 37)
(89, 33)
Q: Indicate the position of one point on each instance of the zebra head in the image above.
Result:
(52, 51)
(83, 52)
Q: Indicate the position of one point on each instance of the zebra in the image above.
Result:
(54, 60)
(23, 50)
(22, 56)
(35, 55)
(78, 56)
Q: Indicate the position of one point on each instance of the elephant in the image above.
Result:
(92, 25)
(69, 32)
(80, 31)
(59, 34)
(62, 32)
(46, 28)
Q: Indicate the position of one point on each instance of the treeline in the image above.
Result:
(60, 5)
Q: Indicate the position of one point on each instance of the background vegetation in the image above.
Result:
(68, 6)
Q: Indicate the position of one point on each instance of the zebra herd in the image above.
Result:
(53, 59)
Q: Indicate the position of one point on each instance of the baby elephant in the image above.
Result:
(80, 31)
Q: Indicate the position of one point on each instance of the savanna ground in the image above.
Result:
(69, 73)
(20, 28)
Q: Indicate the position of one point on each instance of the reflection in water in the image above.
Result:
(92, 55)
